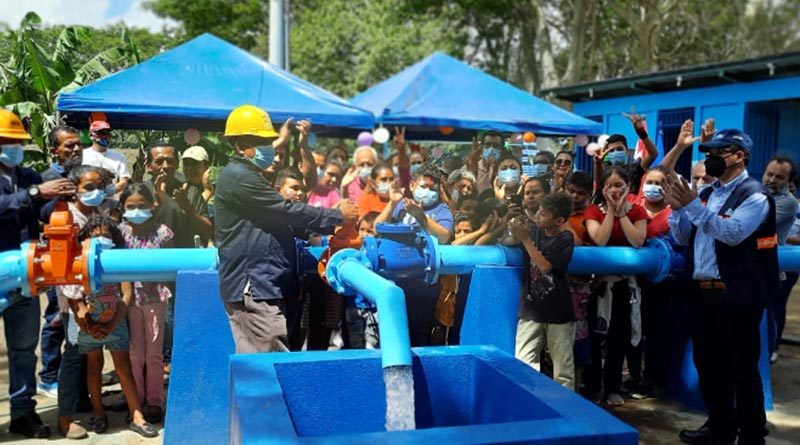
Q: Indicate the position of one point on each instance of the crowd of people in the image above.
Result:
(583, 330)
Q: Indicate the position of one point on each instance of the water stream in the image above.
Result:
(399, 382)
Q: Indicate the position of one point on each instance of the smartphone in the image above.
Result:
(515, 199)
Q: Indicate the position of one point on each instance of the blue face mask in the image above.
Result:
(414, 168)
(364, 172)
(509, 176)
(383, 188)
(93, 198)
(491, 153)
(539, 170)
(137, 216)
(700, 187)
(11, 155)
(264, 156)
(617, 158)
(111, 190)
(103, 142)
(57, 168)
(653, 192)
(425, 197)
(105, 242)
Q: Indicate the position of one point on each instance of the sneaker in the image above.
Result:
(48, 389)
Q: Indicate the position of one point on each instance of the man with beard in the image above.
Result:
(65, 149)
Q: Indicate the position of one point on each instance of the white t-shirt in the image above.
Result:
(109, 159)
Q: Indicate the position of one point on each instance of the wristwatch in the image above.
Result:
(33, 191)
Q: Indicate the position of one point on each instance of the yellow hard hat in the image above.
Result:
(11, 127)
(249, 120)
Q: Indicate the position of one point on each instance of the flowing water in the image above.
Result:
(399, 382)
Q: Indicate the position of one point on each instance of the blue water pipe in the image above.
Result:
(402, 252)
(349, 273)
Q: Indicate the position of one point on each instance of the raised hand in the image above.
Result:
(397, 193)
(686, 136)
(304, 128)
(56, 187)
(707, 130)
(519, 228)
(414, 210)
(499, 189)
(638, 121)
(399, 137)
(350, 175)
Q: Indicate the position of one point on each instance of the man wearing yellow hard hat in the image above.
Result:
(22, 194)
(254, 229)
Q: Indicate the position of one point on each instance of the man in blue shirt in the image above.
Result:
(425, 211)
(732, 251)
(779, 172)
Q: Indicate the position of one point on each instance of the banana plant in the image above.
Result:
(33, 75)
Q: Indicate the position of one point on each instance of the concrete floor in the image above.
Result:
(658, 421)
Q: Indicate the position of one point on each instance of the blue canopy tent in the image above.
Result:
(196, 85)
(440, 91)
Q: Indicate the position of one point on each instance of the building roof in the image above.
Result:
(747, 70)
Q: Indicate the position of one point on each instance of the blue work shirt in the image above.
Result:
(732, 230)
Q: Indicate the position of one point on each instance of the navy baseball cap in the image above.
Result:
(726, 138)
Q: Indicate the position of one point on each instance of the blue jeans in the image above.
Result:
(21, 321)
(52, 339)
(776, 311)
(72, 387)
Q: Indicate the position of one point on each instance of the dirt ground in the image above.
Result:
(657, 421)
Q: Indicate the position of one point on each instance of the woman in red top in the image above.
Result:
(656, 307)
(615, 222)
(651, 197)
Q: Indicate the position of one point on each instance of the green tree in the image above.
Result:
(241, 22)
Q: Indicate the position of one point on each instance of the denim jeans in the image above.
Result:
(52, 338)
(776, 311)
(21, 321)
(72, 387)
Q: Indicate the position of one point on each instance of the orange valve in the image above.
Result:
(59, 259)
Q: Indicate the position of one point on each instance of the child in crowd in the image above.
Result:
(615, 222)
(146, 315)
(546, 314)
(326, 193)
(91, 184)
(102, 323)
(361, 315)
(444, 317)
(289, 183)
(578, 186)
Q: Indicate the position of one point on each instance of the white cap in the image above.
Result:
(195, 152)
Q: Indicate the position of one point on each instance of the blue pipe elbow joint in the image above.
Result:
(349, 272)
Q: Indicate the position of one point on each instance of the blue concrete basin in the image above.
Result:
(463, 395)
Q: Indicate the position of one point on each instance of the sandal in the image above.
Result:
(615, 399)
(144, 430)
(98, 425)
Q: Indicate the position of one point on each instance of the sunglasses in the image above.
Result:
(563, 162)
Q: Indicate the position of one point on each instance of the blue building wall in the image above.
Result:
(769, 110)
